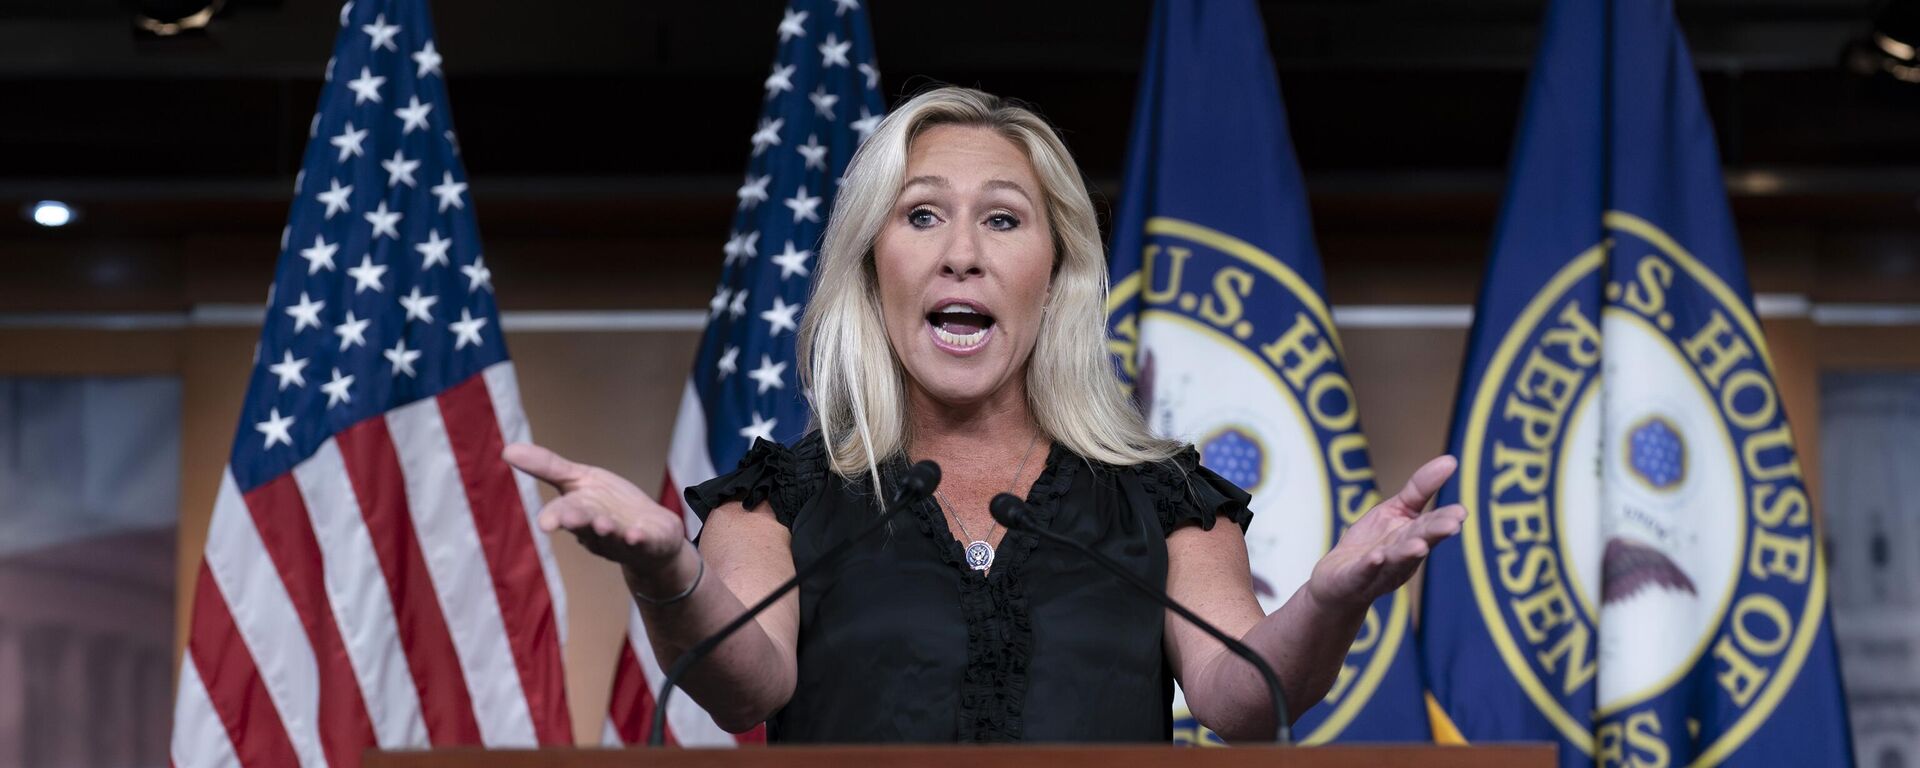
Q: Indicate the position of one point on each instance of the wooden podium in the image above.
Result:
(1063, 756)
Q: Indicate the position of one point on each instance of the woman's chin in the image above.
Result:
(960, 388)
(963, 378)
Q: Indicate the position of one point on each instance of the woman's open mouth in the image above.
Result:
(960, 328)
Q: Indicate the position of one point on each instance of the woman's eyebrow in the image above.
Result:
(931, 181)
(940, 182)
(994, 184)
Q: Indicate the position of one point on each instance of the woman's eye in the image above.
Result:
(921, 218)
(1002, 222)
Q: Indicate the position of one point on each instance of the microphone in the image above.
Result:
(1013, 513)
(919, 482)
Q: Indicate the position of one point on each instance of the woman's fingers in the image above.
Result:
(600, 534)
(1402, 552)
(1417, 538)
(552, 516)
(1424, 483)
(1392, 561)
(561, 513)
(609, 516)
(1434, 527)
(542, 463)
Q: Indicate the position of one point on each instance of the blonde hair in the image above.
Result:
(855, 383)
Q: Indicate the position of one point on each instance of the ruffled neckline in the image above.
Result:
(993, 688)
(1053, 481)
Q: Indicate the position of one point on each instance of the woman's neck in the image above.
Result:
(986, 427)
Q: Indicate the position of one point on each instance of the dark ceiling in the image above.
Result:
(596, 130)
(618, 89)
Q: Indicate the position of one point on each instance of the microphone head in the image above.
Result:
(920, 480)
(1008, 510)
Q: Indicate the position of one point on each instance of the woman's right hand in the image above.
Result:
(611, 517)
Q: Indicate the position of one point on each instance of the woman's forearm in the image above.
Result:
(742, 681)
(1304, 641)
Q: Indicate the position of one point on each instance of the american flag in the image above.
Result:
(372, 575)
(822, 98)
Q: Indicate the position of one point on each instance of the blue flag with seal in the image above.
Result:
(1639, 577)
(1217, 320)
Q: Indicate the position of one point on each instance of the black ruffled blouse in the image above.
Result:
(901, 642)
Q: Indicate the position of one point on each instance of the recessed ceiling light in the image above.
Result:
(50, 213)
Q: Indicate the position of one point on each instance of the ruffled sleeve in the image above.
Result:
(785, 478)
(1185, 493)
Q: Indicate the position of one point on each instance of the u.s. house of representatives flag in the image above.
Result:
(820, 101)
(372, 575)
(1640, 576)
(1217, 320)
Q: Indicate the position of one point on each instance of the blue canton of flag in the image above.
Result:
(382, 296)
(822, 99)
(1639, 577)
(1218, 319)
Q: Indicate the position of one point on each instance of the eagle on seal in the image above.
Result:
(1630, 566)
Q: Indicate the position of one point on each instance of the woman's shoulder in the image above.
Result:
(784, 476)
(803, 455)
(1183, 491)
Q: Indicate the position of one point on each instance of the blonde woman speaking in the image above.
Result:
(957, 317)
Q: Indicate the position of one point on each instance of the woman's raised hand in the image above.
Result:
(1380, 551)
(611, 517)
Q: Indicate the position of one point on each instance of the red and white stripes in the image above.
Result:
(636, 680)
(688, 460)
(389, 592)
(637, 674)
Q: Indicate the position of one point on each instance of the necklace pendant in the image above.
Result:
(979, 555)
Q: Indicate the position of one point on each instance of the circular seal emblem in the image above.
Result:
(1639, 541)
(1229, 349)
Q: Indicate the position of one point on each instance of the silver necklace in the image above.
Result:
(979, 552)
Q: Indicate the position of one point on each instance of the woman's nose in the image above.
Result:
(962, 258)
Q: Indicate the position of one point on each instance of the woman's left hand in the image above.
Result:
(1381, 551)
